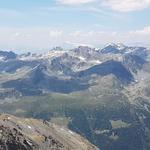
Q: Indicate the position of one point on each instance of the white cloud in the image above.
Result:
(29, 37)
(75, 2)
(141, 36)
(127, 5)
(55, 33)
(44, 38)
(73, 44)
(116, 5)
(144, 31)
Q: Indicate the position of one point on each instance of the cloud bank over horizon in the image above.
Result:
(68, 23)
(45, 38)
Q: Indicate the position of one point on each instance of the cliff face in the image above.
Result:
(31, 134)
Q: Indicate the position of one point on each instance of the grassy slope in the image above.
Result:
(85, 113)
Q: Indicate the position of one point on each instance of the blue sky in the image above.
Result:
(42, 24)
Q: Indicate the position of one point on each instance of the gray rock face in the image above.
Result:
(7, 55)
(31, 134)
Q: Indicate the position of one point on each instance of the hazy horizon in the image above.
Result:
(43, 24)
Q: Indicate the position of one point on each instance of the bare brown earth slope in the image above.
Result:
(32, 134)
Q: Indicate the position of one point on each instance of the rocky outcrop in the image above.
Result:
(31, 134)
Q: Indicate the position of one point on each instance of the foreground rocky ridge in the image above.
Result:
(31, 134)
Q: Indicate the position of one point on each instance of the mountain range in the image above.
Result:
(102, 94)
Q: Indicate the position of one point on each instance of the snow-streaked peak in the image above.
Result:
(54, 53)
(110, 44)
(2, 58)
(120, 46)
(97, 49)
(114, 48)
(116, 45)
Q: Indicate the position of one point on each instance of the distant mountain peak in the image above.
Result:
(5, 55)
(115, 44)
(82, 48)
(57, 48)
(114, 48)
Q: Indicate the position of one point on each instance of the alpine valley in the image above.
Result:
(103, 94)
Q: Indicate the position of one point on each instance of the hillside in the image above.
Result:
(101, 94)
(31, 134)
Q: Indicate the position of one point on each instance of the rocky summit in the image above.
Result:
(31, 134)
